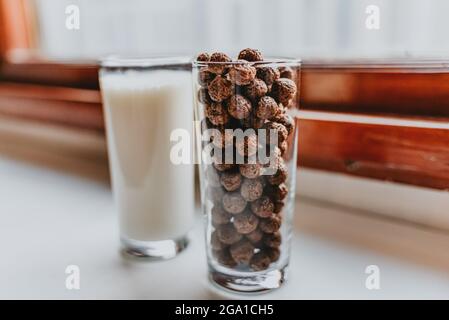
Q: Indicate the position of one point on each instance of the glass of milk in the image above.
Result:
(147, 107)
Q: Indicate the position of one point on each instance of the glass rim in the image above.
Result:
(119, 61)
(268, 61)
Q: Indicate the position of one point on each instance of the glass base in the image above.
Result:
(154, 250)
(238, 282)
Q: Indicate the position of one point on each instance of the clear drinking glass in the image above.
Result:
(145, 101)
(247, 142)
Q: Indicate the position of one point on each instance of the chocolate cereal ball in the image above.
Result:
(278, 206)
(205, 77)
(260, 261)
(250, 170)
(268, 74)
(224, 258)
(242, 251)
(270, 224)
(286, 72)
(255, 236)
(222, 138)
(247, 146)
(283, 90)
(234, 202)
(203, 57)
(278, 192)
(267, 108)
(219, 67)
(216, 114)
(286, 120)
(273, 253)
(242, 73)
(272, 240)
(277, 128)
(249, 54)
(227, 234)
(253, 122)
(283, 146)
(274, 161)
(256, 89)
(220, 89)
(280, 176)
(251, 189)
(239, 107)
(231, 181)
(223, 166)
(219, 215)
(245, 222)
(262, 207)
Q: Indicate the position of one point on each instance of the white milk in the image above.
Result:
(155, 198)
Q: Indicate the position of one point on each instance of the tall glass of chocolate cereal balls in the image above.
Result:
(247, 145)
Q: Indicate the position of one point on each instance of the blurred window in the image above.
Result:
(307, 28)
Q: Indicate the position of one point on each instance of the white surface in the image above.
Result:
(420, 205)
(49, 220)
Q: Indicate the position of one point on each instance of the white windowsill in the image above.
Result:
(51, 219)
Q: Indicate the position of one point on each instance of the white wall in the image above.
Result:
(308, 28)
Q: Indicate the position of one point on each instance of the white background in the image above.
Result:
(306, 28)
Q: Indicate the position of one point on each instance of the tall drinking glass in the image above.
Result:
(247, 139)
(145, 101)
